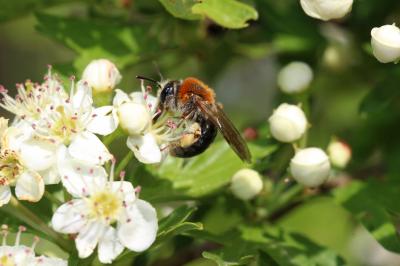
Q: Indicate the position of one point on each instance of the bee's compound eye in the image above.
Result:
(168, 90)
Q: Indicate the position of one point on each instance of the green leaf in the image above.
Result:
(227, 13)
(92, 39)
(181, 8)
(221, 262)
(12, 9)
(374, 203)
(176, 223)
(208, 172)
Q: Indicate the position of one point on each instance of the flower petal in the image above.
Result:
(45, 261)
(88, 238)
(120, 97)
(139, 230)
(150, 101)
(50, 176)
(109, 246)
(145, 148)
(37, 155)
(82, 97)
(88, 148)
(5, 195)
(125, 188)
(29, 186)
(104, 121)
(69, 218)
(78, 178)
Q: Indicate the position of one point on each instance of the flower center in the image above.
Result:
(6, 261)
(10, 167)
(105, 205)
(64, 126)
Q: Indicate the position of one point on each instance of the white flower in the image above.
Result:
(246, 184)
(295, 77)
(51, 119)
(326, 9)
(135, 112)
(15, 171)
(98, 205)
(288, 123)
(102, 75)
(385, 42)
(339, 153)
(310, 167)
(20, 255)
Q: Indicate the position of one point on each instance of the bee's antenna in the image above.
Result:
(158, 70)
(149, 79)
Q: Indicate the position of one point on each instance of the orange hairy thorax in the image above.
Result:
(192, 86)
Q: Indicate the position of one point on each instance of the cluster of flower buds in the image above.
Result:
(288, 123)
(54, 138)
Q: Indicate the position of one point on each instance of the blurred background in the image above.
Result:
(352, 97)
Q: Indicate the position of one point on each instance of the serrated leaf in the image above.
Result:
(208, 172)
(227, 13)
(93, 39)
(181, 8)
(221, 262)
(176, 223)
(374, 203)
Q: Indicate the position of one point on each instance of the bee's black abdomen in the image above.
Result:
(208, 134)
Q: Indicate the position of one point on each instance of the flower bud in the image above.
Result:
(339, 154)
(385, 42)
(246, 184)
(310, 167)
(288, 123)
(295, 77)
(134, 118)
(326, 9)
(101, 75)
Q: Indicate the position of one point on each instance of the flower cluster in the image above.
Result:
(54, 138)
(20, 255)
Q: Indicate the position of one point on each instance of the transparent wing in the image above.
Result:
(218, 117)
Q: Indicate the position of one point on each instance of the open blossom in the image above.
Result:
(14, 170)
(105, 213)
(135, 113)
(20, 255)
(51, 119)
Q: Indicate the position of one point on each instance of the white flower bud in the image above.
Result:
(295, 77)
(326, 9)
(310, 167)
(385, 42)
(246, 184)
(339, 154)
(134, 118)
(102, 75)
(288, 123)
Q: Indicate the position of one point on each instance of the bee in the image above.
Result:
(195, 101)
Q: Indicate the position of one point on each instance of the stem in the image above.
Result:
(121, 166)
(52, 198)
(19, 211)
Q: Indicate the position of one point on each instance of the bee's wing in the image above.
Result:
(218, 117)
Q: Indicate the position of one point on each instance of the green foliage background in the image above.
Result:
(237, 48)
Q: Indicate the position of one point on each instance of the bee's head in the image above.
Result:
(169, 89)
